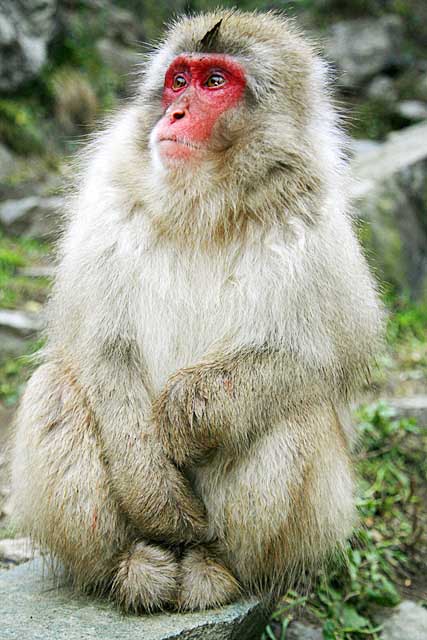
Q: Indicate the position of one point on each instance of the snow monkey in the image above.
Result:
(185, 439)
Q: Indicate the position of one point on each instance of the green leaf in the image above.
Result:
(353, 620)
(329, 630)
(386, 595)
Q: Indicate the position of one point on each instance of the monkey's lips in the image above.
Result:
(175, 148)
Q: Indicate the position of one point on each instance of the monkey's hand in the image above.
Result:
(186, 411)
(169, 510)
(232, 397)
(227, 400)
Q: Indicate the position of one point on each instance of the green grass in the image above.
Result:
(17, 290)
(20, 126)
(14, 373)
(390, 545)
(407, 319)
(403, 369)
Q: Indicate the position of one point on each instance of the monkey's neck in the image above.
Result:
(194, 211)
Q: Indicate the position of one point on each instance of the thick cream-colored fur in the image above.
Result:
(209, 324)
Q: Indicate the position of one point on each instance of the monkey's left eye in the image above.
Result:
(215, 80)
(179, 82)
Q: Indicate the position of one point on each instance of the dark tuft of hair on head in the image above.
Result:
(209, 39)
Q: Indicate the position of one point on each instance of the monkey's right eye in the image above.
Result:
(179, 82)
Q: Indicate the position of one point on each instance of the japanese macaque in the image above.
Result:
(186, 438)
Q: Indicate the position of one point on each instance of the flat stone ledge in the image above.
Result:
(32, 608)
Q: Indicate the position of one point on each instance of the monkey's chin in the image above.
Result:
(174, 151)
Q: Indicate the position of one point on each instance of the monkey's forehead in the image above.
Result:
(232, 32)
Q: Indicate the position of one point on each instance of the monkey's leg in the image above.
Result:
(281, 509)
(63, 499)
(205, 581)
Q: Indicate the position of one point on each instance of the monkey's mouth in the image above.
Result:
(180, 141)
(174, 149)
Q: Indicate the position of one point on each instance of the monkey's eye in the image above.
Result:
(215, 80)
(179, 82)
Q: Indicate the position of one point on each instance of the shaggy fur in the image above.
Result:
(207, 328)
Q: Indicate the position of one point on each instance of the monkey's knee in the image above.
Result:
(323, 516)
(205, 582)
(146, 578)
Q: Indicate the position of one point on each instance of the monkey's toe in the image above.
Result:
(146, 578)
(205, 582)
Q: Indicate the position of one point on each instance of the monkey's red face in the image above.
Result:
(198, 89)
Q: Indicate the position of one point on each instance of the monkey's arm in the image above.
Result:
(150, 489)
(225, 402)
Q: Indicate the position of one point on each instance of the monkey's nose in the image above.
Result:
(178, 113)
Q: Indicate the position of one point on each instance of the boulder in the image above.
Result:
(16, 328)
(34, 216)
(390, 193)
(412, 110)
(407, 622)
(24, 324)
(33, 607)
(302, 631)
(382, 88)
(16, 550)
(123, 25)
(37, 271)
(25, 30)
(122, 60)
(411, 407)
(7, 162)
(364, 47)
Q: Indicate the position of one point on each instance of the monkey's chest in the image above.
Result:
(190, 306)
(183, 312)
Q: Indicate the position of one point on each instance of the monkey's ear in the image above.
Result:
(209, 39)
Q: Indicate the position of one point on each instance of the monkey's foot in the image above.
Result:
(146, 578)
(205, 582)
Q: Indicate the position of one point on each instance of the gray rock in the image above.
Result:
(300, 631)
(16, 327)
(33, 216)
(123, 60)
(29, 178)
(407, 622)
(20, 322)
(122, 25)
(7, 162)
(412, 407)
(25, 29)
(362, 48)
(359, 147)
(16, 550)
(382, 88)
(11, 345)
(40, 271)
(31, 608)
(390, 190)
(412, 109)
